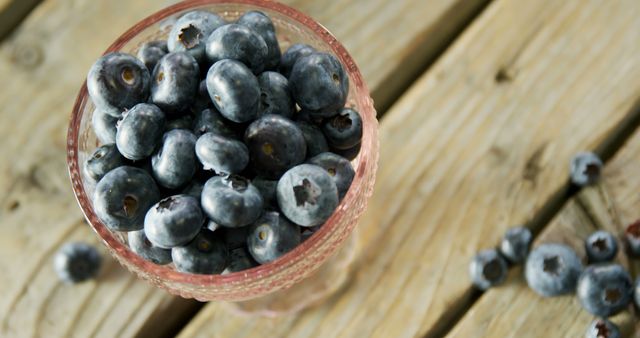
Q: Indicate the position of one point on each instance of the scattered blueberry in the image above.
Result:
(338, 167)
(292, 55)
(601, 246)
(140, 131)
(181, 122)
(262, 25)
(210, 120)
(104, 159)
(175, 82)
(231, 201)
(515, 244)
(239, 260)
(222, 154)
(632, 235)
(151, 52)
(234, 90)
(173, 221)
(140, 244)
(602, 328)
(605, 289)
(271, 236)
(267, 189)
(77, 262)
(350, 154)
(314, 138)
(190, 33)
(488, 269)
(237, 42)
(275, 96)
(319, 83)
(174, 163)
(344, 130)
(206, 254)
(104, 125)
(585, 168)
(552, 269)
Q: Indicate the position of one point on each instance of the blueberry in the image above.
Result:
(234, 90)
(104, 125)
(344, 130)
(262, 25)
(140, 244)
(307, 116)
(552, 269)
(118, 81)
(210, 120)
(585, 168)
(314, 138)
(206, 254)
(140, 131)
(272, 236)
(307, 232)
(275, 144)
(190, 33)
(275, 96)
(175, 82)
(632, 236)
(605, 289)
(123, 196)
(239, 43)
(307, 195)
(182, 122)
(104, 159)
(319, 83)
(350, 154)
(602, 328)
(151, 52)
(194, 188)
(338, 167)
(234, 238)
(231, 201)
(77, 262)
(601, 246)
(488, 269)
(174, 163)
(292, 55)
(515, 244)
(222, 154)
(267, 189)
(239, 260)
(173, 221)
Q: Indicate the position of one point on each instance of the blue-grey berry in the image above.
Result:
(222, 154)
(585, 168)
(275, 144)
(605, 289)
(261, 24)
(338, 167)
(234, 237)
(601, 246)
(314, 138)
(104, 159)
(319, 83)
(267, 189)
(602, 328)
(190, 33)
(181, 122)
(140, 131)
(118, 81)
(140, 244)
(240, 260)
(234, 90)
(350, 154)
(211, 121)
(123, 196)
(104, 125)
(173, 221)
(77, 262)
(307, 195)
(515, 244)
(151, 52)
(344, 130)
(275, 96)
(307, 116)
(231, 201)
(272, 236)
(206, 254)
(487, 269)
(552, 269)
(194, 188)
(174, 163)
(632, 237)
(291, 55)
(239, 43)
(175, 82)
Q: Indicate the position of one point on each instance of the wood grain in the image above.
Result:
(478, 144)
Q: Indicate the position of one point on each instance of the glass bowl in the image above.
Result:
(292, 26)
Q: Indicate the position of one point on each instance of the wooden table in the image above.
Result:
(482, 104)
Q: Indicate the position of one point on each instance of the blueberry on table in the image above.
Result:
(272, 236)
(173, 221)
(151, 52)
(210, 120)
(307, 195)
(585, 168)
(601, 246)
(140, 131)
(261, 24)
(275, 144)
(515, 244)
(231, 201)
(234, 90)
(291, 55)
(314, 138)
(602, 328)
(77, 262)
(222, 154)
(206, 254)
(553, 269)
(344, 130)
(118, 81)
(140, 244)
(239, 260)
(104, 125)
(487, 269)
(190, 33)
(175, 82)
(275, 96)
(174, 163)
(632, 236)
(605, 289)
(319, 84)
(267, 189)
(237, 42)
(123, 196)
(104, 159)
(338, 167)
(181, 122)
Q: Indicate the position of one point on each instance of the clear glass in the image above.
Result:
(292, 27)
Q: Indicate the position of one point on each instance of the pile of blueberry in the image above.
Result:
(219, 153)
(604, 288)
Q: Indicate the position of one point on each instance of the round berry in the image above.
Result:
(605, 289)
(585, 168)
(515, 244)
(173, 221)
(267, 189)
(344, 130)
(234, 90)
(140, 131)
(319, 83)
(104, 125)
(190, 33)
(338, 167)
(553, 269)
(239, 43)
(211, 121)
(174, 163)
(262, 25)
(104, 159)
(181, 122)
(272, 236)
(231, 201)
(632, 236)
(77, 262)
(488, 269)
(240, 260)
(151, 52)
(601, 246)
(275, 96)
(175, 82)
(206, 254)
(602, 328)
(140, 244)
(222, 154)
(315, 140)
(291, 55)
(350, 154)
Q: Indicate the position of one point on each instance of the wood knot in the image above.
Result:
(26, 54)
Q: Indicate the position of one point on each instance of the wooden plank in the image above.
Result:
(481, 142)
(12, 12)
(45, 62)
